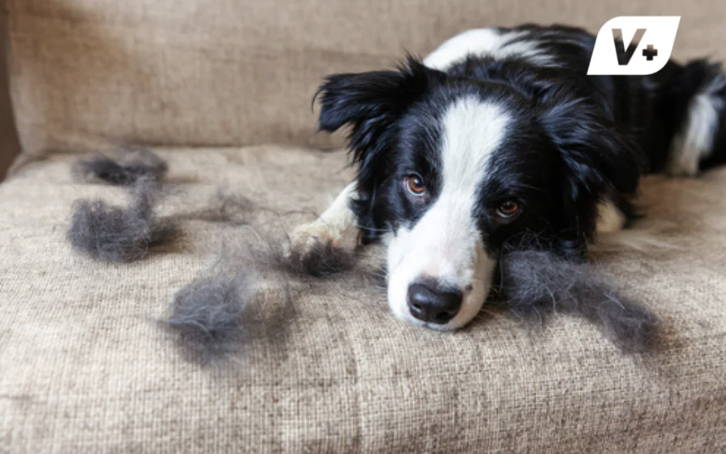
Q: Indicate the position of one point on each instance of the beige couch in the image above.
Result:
(223, 89)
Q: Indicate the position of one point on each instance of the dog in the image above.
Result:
(496, 141)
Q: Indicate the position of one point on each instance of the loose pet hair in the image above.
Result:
(126, 169)
(534, 284)
(209, 315)
(228, 306)
(115, 234)
(497, 137)
(222, 310)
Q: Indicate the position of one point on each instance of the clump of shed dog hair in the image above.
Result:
(534, 283)
(247, 295)
(209, 316)
(232, 304)
(127, 169)
(121, 234)
(116, 234)
(224, 308)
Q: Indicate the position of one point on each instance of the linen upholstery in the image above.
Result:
(85, 367)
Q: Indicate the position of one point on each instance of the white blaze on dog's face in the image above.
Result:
(442, 256)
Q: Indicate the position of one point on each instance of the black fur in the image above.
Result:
(575, 139)
(562, 139)
(536, 283)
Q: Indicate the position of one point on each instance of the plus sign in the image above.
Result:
(650, 52)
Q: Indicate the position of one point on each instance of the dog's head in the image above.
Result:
(451, 171)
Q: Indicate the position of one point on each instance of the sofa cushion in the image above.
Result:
(213, 72)
(86, 367)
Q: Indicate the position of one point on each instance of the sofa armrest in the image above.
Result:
(9, 145)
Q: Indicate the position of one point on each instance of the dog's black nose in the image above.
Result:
(433, 305)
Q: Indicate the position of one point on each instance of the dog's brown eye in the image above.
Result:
(508, 209)
(414, 184)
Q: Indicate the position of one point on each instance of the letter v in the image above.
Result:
(624, 55)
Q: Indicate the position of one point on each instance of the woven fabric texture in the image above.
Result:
(86, 368)
(228, 72)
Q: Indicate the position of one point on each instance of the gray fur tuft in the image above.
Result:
(534, 283)
(130, 167)
(114, 234)
(232, 304)
(209, 316)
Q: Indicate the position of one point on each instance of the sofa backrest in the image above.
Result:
(87, 73)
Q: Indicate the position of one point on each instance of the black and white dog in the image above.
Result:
(499, 140)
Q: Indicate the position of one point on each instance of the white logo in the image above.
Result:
(633, 45)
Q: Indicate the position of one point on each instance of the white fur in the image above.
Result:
(609, 217)
(445, 244)
(334, 226)
(486, 42)
(695, 140)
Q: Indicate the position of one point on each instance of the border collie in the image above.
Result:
(499, 140)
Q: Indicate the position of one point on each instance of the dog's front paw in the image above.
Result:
(309, 236)
(683, 164)
(318, 250)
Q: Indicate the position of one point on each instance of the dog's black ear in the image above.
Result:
(598, 161)
(371, 102)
